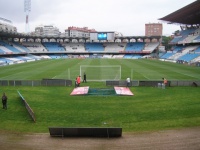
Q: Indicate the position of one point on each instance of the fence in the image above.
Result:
(154, 83)
(28, 108)
(43, 82)
(62, 82)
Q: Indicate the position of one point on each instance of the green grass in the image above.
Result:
(140, 69)
(149, 109)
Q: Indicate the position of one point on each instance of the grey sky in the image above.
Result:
(125, 16)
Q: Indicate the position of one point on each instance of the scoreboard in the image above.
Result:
(102, 36)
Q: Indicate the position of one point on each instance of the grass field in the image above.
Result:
(140, 69)
(149, 109)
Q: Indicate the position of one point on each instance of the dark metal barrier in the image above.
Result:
(44, 82)
(121, 83)
(3, 83)
(85, 132)
(62, 82)
(28, 108)
(112, 83)
(56, 82)
(154, 83)
(151, 83)
(185, 83)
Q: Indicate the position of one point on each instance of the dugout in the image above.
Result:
(85, 132)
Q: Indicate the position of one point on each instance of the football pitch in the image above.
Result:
(150, 109)
(140, 69)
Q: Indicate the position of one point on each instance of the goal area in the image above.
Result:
(101, 73)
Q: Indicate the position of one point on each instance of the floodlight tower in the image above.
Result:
(27, 10)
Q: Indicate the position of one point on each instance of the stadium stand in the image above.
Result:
(53, 46)
(97, 47)
(132, 56)
(74, 47)
(188, 57)
(150, 47)
(4, 50)
(197, 39)
(189, 35)
(166, 55)
(180, 52)
(107, 56)
(136, 56)
(34, 46)
(45, 56)
(34, 57)
(135, 46)
(185, 44)
(179, 48)
(25, 59)
(57, 56)
(2, 63)
(128, 56)
(118, 56)
(20, 47)
(114, 47)
(197, 50)
(9, 47)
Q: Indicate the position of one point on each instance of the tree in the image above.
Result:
(165, 42)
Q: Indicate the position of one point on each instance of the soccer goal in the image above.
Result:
(101, 73)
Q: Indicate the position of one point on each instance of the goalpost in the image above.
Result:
(101, 73)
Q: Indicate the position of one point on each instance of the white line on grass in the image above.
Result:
(186, 74)
(146, 77)
(54, 77)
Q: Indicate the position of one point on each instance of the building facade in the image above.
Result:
(153, 29)
(47, 30)
(7, 26)
(78, 32)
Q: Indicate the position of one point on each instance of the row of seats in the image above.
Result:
(187, 36)
(22, 59)
(183, 53)
(26, 47)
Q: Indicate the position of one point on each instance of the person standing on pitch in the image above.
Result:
(76, 84)
(78, 80)
(128, 81)
(4, 101)
(84, 77)
(164, 81)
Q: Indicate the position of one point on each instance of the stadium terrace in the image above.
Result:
(17, 47)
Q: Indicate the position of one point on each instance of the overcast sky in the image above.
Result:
(126, 16)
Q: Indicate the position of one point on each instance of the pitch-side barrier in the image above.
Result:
(28, 108)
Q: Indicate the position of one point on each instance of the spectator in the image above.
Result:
(4, 101)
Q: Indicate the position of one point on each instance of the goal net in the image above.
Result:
(101, 73)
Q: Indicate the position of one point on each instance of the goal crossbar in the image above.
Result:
(101, 72)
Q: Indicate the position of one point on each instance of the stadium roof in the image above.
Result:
(188, 15)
